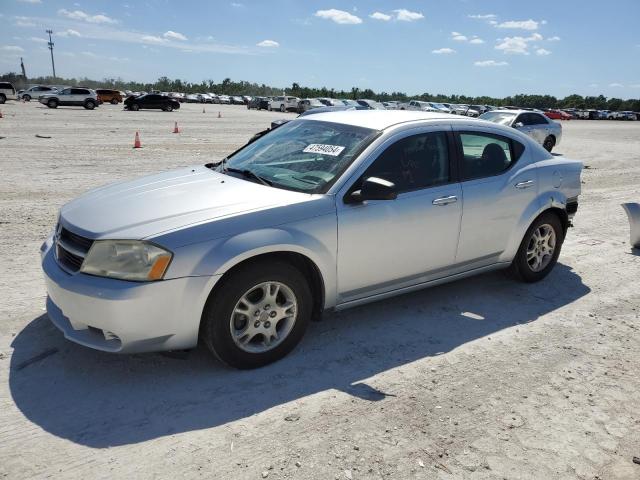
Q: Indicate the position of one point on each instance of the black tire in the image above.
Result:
(282, 109)
(520, 268)
(89, 104)
(53, 103)
(2, 98)
(27, 98)
(215, 326)
(134, 107)
(168, 108)
(114, 101)
(549, 143)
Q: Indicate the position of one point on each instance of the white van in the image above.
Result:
(284, 104)
(7, 92)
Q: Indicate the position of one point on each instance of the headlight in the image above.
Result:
(126, 260)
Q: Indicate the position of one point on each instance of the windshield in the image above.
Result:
(503, 118)
(303, 155)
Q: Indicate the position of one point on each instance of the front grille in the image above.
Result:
(71, 249)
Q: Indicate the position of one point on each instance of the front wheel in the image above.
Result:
(26, 98)
(134, 107)
(90, 105)
(168, 108)
(539, 250)
(257, 315)
(549, 143)
(2, 99)
(282, 109)
(52, 103)
(114, 101)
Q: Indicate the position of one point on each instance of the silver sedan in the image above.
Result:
(324, 212)
(538, 126)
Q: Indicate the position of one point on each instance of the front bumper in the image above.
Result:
(125, 317)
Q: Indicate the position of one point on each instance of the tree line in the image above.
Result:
(231, 87)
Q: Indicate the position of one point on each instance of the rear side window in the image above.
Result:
(415, 162)
(486, 155)
(6, 86)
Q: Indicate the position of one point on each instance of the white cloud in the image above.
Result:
(24, 22)
(80, 15)
(268, 44)
(458, 37)
(171, 35)
(476, 41)
(616, 85)
(69, 33)
(237, 5)
(38, 40)
(553, 39)
(338, 16)
(11, 48)
(30, 1)
(151, 39)
(443, 51)
(542, 52)
(517, 45)
(381, 16)
(635, 85)
(488, 16)
(405, 15)
(490, 63)
(519, 25)
(593, 85)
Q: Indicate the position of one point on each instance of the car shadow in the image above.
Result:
(101, 400)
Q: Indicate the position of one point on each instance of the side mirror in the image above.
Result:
(518, 125)
(373, 188)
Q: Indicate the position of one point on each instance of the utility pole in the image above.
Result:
(53, 65)
(24, 72)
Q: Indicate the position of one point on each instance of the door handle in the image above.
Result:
(525, 184)
(445, 200)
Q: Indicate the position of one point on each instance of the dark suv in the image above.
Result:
(151, 100)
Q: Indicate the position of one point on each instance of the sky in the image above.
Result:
(470, 47)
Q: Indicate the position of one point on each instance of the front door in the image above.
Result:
(388, 244)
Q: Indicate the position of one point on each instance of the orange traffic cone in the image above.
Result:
(136, 142)
(219, 114)
(203, 110)
(175, 128)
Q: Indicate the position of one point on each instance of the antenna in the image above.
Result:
(53, 65)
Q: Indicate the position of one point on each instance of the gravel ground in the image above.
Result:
(480, 379)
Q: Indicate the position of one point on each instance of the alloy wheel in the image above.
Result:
(541, 247)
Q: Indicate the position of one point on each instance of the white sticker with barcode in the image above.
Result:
(333, 150)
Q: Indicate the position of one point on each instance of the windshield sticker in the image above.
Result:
(333, 150)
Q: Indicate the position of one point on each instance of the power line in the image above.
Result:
(53, 65)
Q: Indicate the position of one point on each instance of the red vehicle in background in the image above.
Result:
(557, 115)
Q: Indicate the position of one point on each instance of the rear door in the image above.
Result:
(498, 184)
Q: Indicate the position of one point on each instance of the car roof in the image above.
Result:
(377, 119)
(515, 112)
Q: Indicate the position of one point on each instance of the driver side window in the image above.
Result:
(414, 162)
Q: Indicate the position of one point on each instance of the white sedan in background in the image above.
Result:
(543, 130)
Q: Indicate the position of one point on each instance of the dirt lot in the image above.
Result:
(480, 379)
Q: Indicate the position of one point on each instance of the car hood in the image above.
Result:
(168, 201)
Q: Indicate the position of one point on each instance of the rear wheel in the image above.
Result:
(168, 108)
(53, 103)
(282, 109)
(114, 101)
(134, 107)
(257, 315)
(2, 98)
(549, 143)
(539, 250)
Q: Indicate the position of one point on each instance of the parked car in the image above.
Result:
(259, 103)
(338, 108)
(236, 100)
(370, 104)
(557, 114)
(309, 104)
(151, 101)
(224, 99)
(626, 115)
(204, 98)
(284, 103)
(35, 92)
(542, 129)
(74, 96)
(7, 92)
(251, 248)
(331, 102)
(417, 105)
(109, 96)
